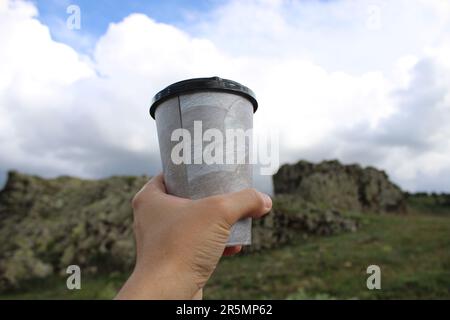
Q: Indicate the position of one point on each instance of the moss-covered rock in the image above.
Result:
(291, 216)
(49, 224)
(343, 187)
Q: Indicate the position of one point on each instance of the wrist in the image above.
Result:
(159, 282)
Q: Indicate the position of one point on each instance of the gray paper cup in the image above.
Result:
(191, 116)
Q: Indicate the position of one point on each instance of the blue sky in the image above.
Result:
(98, 14)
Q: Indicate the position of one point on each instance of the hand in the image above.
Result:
(180, 241)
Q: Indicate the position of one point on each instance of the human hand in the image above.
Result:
(180, 241)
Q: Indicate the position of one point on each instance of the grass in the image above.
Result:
(101, 287)
(429, 203)
(413, 252)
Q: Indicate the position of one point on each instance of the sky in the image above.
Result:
(360, 81)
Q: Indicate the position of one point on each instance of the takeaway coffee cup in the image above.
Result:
(205, 138)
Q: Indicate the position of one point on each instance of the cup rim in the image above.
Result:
(202, 84)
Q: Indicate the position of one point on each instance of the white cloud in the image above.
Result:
(36, 76)
(332, 86)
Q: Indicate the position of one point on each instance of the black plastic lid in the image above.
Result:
(200, 84)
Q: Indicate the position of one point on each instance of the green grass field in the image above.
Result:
(413, 252)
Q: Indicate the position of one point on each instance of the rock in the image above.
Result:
(343, 187)
(292, 217)
(49, 224)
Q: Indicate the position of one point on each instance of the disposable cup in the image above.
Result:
(204, 130)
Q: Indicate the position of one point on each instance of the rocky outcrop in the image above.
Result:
(49, 224)
(343, 187)
(46, 225)
(292, 219)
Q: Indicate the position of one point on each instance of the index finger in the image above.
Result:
(156, 187)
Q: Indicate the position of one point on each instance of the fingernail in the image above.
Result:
(267, 201)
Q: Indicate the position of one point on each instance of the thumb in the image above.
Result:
(242, 204)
